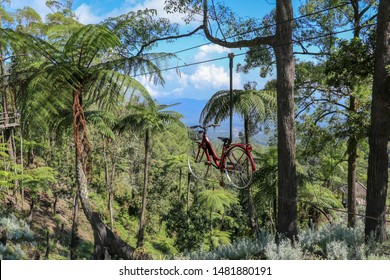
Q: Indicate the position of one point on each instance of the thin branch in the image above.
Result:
(168, 38)
(216, 19)
(304, 109)
(332, 102)
(268, 40)
(324, 115)
(312, 53)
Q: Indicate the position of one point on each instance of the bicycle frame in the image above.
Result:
(212, 156)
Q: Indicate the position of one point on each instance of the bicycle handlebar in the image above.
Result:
(205, 127)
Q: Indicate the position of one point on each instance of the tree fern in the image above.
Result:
(255, 103)
(218, 200)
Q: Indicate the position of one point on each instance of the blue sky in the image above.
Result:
(198, 82)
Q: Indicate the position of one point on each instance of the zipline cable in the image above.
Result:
(253, 51)
(259, 28)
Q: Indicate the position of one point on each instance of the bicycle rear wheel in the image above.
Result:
(198, 163)
(238, 167)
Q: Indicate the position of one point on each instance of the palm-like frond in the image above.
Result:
(217, 200)
(321, 198)
(103, 121)
(87, 62)
(108, 87)
(149, 115)
(86, 43)
(260, 104)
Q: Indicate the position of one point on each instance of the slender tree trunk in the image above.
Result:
(74, 241)
(252, 221)
(246, 129)
(252, 217)
(353, 142)
(180, 180)
(47, 244)
(287, 185)
(108, 181)
(378, 160)
(142, 222)
(107, 244)
(188, 192)
(352, 162)
(55, 204)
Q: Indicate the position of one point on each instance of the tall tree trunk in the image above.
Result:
(287, 185)
(352, 162)
(106, 243)
(378, 160)
(180, 180)
(353, 142)
(74, 241)
(108, 182)
(252, 217)
(142, 222)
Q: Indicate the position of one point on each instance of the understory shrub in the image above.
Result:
(332, 241)
(18, 234)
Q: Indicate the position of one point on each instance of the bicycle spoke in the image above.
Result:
(238, 168)
(198, 163)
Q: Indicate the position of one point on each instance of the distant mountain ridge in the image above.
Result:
(191, 109)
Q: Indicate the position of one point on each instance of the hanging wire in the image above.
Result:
(259, 28)
(253, 51)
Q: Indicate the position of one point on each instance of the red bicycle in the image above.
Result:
(236, 161)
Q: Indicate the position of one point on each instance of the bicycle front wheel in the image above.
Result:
(238, 167)
(198, 163)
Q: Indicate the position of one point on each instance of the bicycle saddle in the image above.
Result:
(225, 140)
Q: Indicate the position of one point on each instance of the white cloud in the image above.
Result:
(38, 5)
(206, 51)
(207, 76)
(86, 15)
(212, 76)
(153, 89)
(157, 5)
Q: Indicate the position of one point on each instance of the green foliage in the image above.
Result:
(256, 106)
(319, 198)
(216, 200)
(39, 179)
(350, 65)
(188, 228)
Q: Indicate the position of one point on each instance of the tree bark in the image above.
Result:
(252, 217)
(378, 160)
(142, 222)
(47, 245)
(106, 243)
(74, 241)
(287, 186)
(108, 181)
(352, 162)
